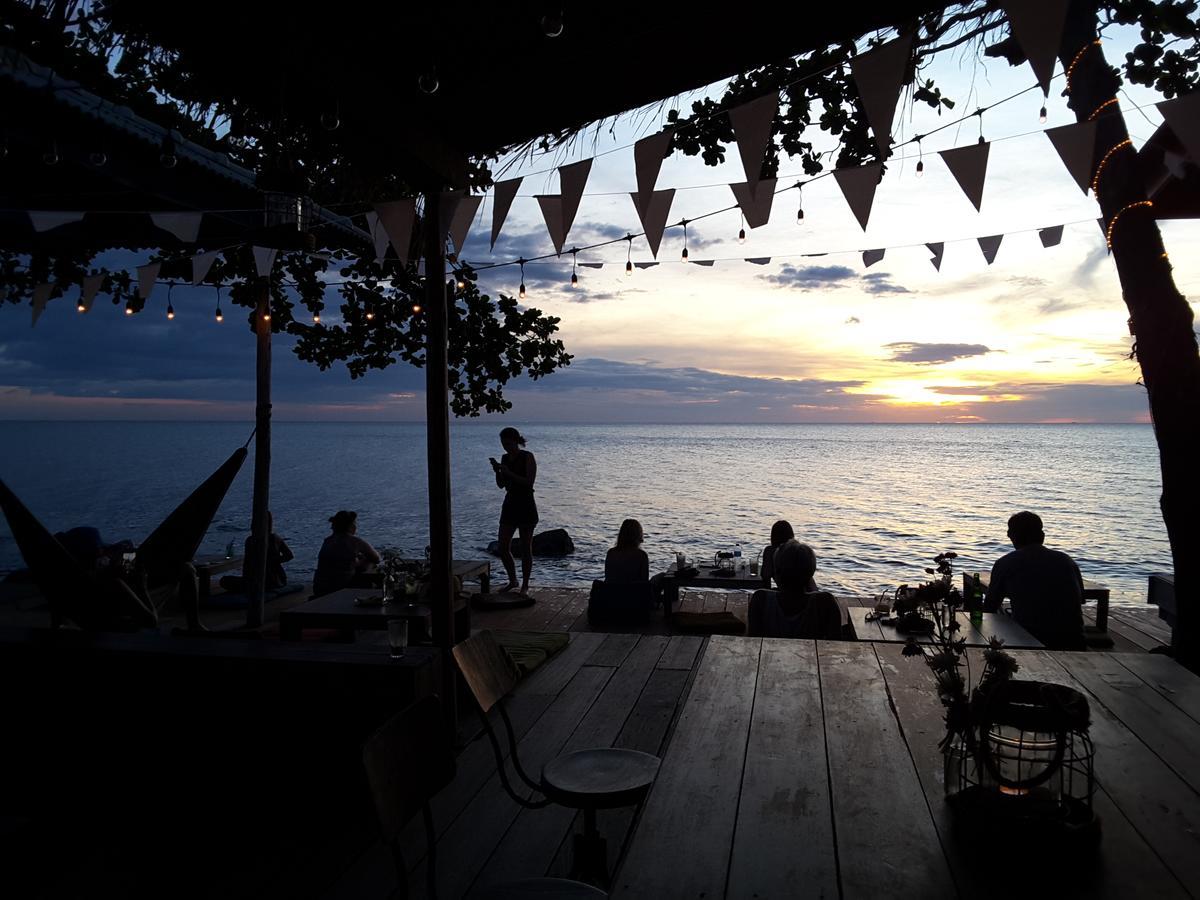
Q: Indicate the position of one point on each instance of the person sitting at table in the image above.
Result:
(781, 532)
(345, 558)
(1043, 585)
(627, 562)
(793, 611)
(278, 553)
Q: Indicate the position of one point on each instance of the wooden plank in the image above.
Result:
(1009, 630)
(530, 845)
(691, 601)
(1156, 802)
(553, 677)
(886, 840)
(613, 650)
(1125, 868)
(784, 835)
(1164, 728)
(681, 845)
(738, 604)
(1120, 643)
(575, 606)
(1167, 677)
(681, 652)
(1116, 627)
(864, 630)
(1152, 629)
(714, 601)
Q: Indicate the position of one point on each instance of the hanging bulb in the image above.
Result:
(167, 158)
(79, 306)
(98, 158)
(920, 167)
(800, 215)
(129, 307)
(416, 308)
(170, 311)
(267, 316)
(574, 280)
(428, 83)
(742, 236)
(684, 256)
(50, 157)
(316, 318)
(329, 118)
(981, 140)
(521, 293)
(219, 317)
(370, 314)
(1042, 115)
(461, 283)
(628, 267)
(552, 24)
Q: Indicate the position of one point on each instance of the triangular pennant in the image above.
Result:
(1183, 115)
(501, 203)
(460, 224)
(858, 187)
(648, 156)
(758, 260)
(396, 217)
(879, 77)
(870, 257)
(937, 249)
(41, 296)
(1037, 26)
(592, 265)
(47, 220)
(88, 291)
(203, 262)
(752, 130)
(1076, 146)
(1051, 237)
(378, 235)
(968, 165)
(147, 275)
(703, 262)
(654, 216)
(645, 265)
(552, 205)
(184, 225)
(448, 206)
(755, 200)
(571, 180)
(989, 245)
(264, 260)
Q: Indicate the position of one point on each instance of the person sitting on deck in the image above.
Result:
(1043, 585)
(345, 558)
(781, 532)
(121, 601)
(793, 611)
(627, 563)
(278, 552)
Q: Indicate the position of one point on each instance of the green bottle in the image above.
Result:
(976, 601)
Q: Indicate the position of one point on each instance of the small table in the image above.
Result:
(464, 569)
(999, 625)
(210, 566)
(1091, 591)
(339, 610)
(740, 580)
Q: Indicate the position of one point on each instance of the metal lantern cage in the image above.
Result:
(1024, 765)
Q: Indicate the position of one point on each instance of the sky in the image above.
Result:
(1038, 336)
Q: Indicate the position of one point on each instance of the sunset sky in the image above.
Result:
(1038, 336)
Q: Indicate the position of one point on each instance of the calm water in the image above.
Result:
(875, 501)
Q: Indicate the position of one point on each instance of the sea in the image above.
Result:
(876, 502)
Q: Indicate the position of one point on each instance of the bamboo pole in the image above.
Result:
(262, 456)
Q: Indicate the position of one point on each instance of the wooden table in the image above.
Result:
(1000, 625)
(210, 566)
(466, 569)
(339, 610)
(811, 768)
(741, 580)
(1091, 591)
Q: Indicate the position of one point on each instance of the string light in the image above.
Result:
(370, 313)
(1108, 232)
(920, 156)
(330, 119)
(742, 230)
(461, 282)
(316, 318)
(219, 317)
(416, 308)
(266, 317)
(552, 24)
(428, 83)
(1079, 56)
(684, 257)
(98, 158)
(170, 308)
(1103, 106)
(979, 112)
(80, 307)
(799, 202)
(521, 293)
(1104, 161)
(628, 253)
(574, 273)
(129, 307)
(167, 158)
(1042, 111)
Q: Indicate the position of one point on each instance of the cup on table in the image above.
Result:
(397, 636)
(680, 562)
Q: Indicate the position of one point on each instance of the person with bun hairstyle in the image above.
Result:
(516, 472)
(344, 556)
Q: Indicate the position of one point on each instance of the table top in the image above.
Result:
(816, 763)
(1000, 625)
(463, 568)
(216, 564)
(741, 580)
(342, 603)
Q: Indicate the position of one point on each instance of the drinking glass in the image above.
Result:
(397, 636)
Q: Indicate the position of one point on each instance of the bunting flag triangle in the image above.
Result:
(755, 199)
(879, 77)
(501, 204)
(203, 262)
(552, 212)
(858, 187)
(645, 265)
(654, 216)
(870, 257)
(937, 249)
(648, 156)
(460, 224)
(758, 260)
(147, 275)
(592, 265)
(378, 235)
(1051, 237)
(1104, 231)
(448, 205)
(88, 291)
(1037, 26)
(1183, 115)
(397, 217)
(41, 296)
(1076, 146)
(968, 165)
(752, 130)
(989, 246)
(48, 220)
(264, 260)
(571, 181)
(184, 225)
(703, 262)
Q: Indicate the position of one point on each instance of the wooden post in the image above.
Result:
(1165, 342)
(437, 429)
(262, 456)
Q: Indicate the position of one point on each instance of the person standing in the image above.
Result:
(515, 473)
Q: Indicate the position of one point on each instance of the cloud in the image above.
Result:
(811, 278)
(932, 354)
(881, 283)
(854, 320)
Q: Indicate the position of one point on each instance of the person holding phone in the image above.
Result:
(516, 472)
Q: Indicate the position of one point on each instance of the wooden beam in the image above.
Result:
(262, 456)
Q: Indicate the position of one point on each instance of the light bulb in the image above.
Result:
(330, 120)
(81, 307)
(1042, 116)
(683, 258)
(219, 317)
(981, 140)
(98, 158)
(741, 236)
(416, 308)
(920, 167)
(461, 284)
(168, 159)
(370, 315)
(170, 311)
(129, 307)
(428, 83)
(628, 268)
(316, 318)
(574, 280)
(521, 293)
(552, 24)
(800, 215)
(50, 157)
(266, 317)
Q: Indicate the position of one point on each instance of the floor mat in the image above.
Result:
(529, 649)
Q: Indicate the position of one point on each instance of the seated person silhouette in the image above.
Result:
(121, 601)
(627, 562)
(781, 532)
(278, 552)
(793, 611)
(1044, 586)
(345, 559)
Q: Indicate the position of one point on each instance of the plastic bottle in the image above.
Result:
(229, 550)
(737, 558)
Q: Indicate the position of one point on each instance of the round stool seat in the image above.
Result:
(599, 779)
(541, 888)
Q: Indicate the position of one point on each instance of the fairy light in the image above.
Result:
(370, 314)
(684, 256)
(979, 112)
(521, 293)
(574, 273)
(742, 230)
(170, 308)
(1112, 223)
(80, 307)
(1104, 161)
(218, 316)
(628, 253)
(1078, 57)
(129, 307)
(316, 318)
(416, 308)
(799, 202)
(1042, 111)
(920, 156)
(1103, 106)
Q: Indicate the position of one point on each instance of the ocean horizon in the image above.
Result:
(876, 501)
